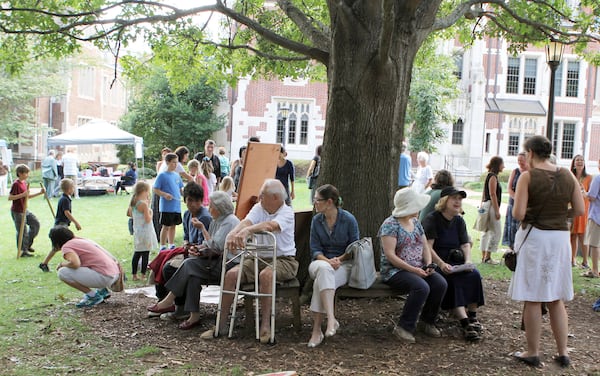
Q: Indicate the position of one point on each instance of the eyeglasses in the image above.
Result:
(319, 199)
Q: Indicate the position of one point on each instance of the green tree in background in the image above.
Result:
(433, 87)
(167, 118)
(18, 91)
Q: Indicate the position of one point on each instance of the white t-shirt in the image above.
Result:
(70, 165)
(284, 216)
(212, 183)
(163, 167)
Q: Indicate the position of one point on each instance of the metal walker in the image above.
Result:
(262, 247)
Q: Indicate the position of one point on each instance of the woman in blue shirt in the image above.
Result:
(331, 231)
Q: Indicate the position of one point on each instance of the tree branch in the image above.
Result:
(319, 38)
(257, 52)
(455, 15)
(312, 52)
(119, 23)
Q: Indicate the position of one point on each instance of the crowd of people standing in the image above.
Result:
(426, 250)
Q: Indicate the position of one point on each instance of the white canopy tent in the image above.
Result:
(99, 132)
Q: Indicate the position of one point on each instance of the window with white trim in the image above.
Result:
(87, 78)
(572, 88)
(563, 139)
(458, 64)
(517, 83)
(512, 75)
(529, 80)
(458, 132)
(296, 127)
(520, 129)
(81, 120)
(566, 84)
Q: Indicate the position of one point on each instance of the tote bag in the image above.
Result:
(363, 273)
(483, 217)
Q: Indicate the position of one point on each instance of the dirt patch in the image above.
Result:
(363, 346)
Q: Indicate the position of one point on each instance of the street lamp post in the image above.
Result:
(284, 112)
(554, 52)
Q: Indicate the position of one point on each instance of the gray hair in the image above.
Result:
(422, 156)
(221, 202)
(51, 152)
(274, 187)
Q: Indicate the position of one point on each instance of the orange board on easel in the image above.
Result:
(260, 163)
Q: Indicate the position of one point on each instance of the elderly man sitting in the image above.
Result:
(269, 214)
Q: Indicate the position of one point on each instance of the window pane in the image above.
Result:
(85, 87)
(304, 130)
(530, 76)
(572, 79)
(280, 130)
(292, 129)
(457, 132)
(513, 144)
(558, 81)
(458, 64)
(512, 75)
(568, 141)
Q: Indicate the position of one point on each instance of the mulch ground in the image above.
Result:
(363, 346)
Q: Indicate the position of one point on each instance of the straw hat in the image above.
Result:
(407, 201)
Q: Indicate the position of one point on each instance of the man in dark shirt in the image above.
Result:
(209, 151)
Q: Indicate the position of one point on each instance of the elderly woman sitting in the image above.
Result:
(447, 235)
(195, 270)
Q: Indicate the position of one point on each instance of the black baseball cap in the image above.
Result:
(451, 191)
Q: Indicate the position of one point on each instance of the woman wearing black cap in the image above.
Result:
(447, 235)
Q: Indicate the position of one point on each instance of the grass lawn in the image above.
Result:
(39, 320)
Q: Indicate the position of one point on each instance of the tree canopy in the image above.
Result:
(365, 49)
(18, 92)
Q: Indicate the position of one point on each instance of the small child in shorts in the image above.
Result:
(64, 215)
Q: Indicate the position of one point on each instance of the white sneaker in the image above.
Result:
(403, 335)
(174, 316)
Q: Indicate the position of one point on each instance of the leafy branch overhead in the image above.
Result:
(282, 37)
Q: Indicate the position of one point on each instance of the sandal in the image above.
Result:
(589, 274)
(491, 261)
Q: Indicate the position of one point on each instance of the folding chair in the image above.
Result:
(262, 252)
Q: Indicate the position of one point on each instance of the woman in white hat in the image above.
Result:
(406, 266)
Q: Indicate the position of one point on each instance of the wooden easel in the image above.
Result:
(260, 164)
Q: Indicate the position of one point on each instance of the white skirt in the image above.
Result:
(543, 271)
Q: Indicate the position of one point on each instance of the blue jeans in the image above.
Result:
(425, 296)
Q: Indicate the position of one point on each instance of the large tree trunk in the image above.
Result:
(369, 82)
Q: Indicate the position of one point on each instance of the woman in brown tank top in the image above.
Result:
(543, 272)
